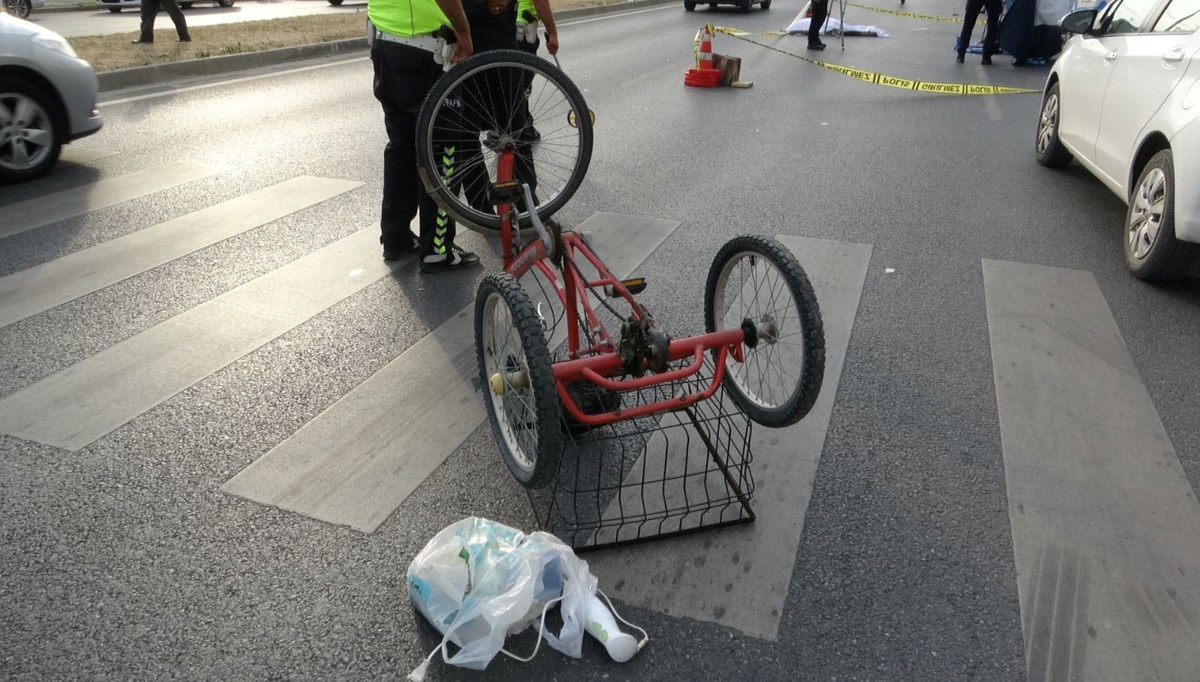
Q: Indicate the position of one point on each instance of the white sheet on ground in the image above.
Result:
(832, 26)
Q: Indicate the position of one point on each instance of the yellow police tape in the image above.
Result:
(884, 79)
(913, 15)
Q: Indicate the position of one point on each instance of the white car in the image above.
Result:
(1123, 99)
(47, 98)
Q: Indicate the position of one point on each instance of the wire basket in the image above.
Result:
(650, 477)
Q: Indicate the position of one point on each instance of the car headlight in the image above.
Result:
(56, 43)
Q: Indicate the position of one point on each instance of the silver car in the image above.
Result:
(21, 9)
(47, 99)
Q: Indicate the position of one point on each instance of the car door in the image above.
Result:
(1086, 68)
(1146, 67)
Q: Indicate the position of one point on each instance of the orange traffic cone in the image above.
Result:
(705, 75)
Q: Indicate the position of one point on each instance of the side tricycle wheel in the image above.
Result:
(757, 285)
(517, 381)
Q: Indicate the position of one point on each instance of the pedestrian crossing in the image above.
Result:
(1105, 525)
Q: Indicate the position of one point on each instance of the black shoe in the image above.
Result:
(140, 41)
(530, 134)
(457, 260)
(987, 60)
(185, 39)
(960, 58)
(393, 252)
(818, 45)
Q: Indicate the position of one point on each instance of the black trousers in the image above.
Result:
(403, 76)
(820, 10)
(150, 11)
(991, 36)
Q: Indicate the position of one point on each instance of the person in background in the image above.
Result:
(529, 13)
(991, 35)
(150, 11)
(403, 36)
(820, 10)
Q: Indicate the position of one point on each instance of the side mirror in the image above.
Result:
(1078, 22)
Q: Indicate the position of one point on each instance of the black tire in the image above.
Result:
(756, 261)
(20, 9)
(25, 157)
(1048, 147)
(185, 5)
(514, 80)
(114, 10)
(765, 4)
(689, 6)
(335, 3)
(1151, 250)
(225, 3)
(512, 356)
(745, 5)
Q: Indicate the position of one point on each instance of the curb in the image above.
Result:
(211, 66)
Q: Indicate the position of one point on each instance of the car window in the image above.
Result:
(1181, 16)
(1128, 16)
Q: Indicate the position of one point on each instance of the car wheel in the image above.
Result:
(114, 10)
(1151, 250)
(335, 3)
(225, 3)
(30, 137)
(746, 5)
(20, 9)
(765, 4)
(1049, 148)
(185, 5)
(688, 5)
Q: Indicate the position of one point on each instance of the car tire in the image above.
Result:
(688, 5)
(1048, 147)
(20, 9)
(765, 4)
(1151, 250)
(225, 3)
(114, 10)
(745, 5)
(45, 121)
(185, 5)
(335, 3)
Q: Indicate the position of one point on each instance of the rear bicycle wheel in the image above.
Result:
(503, 99)
(518, 383)
(757, 285)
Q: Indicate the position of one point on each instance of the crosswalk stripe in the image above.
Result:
(76, 154)
(357, 461)
(38, 212)
(81, 403)
(1104, 521)
(42, 287)
(739, 577)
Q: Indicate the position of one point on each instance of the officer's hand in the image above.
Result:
(552, 42)
(465, 49)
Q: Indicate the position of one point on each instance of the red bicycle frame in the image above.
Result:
(599, 361)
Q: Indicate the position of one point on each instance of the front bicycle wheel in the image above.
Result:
(757, 285)
(503, 100)
(517, 381)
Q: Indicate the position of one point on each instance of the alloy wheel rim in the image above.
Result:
(1049, 124)
(1146, 213)
(26, 136)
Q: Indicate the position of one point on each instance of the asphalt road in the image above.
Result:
(125, 559)
(103, 21)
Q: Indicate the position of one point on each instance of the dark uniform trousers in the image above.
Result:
(403, 75)
(150, 12)
(991, 37)
(820, 10)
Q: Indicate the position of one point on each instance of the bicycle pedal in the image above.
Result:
(634, 285)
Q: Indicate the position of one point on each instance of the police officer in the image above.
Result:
(529, 14)
(820, 10)
(403, 43)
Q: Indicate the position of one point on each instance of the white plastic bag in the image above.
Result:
(478, 581)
